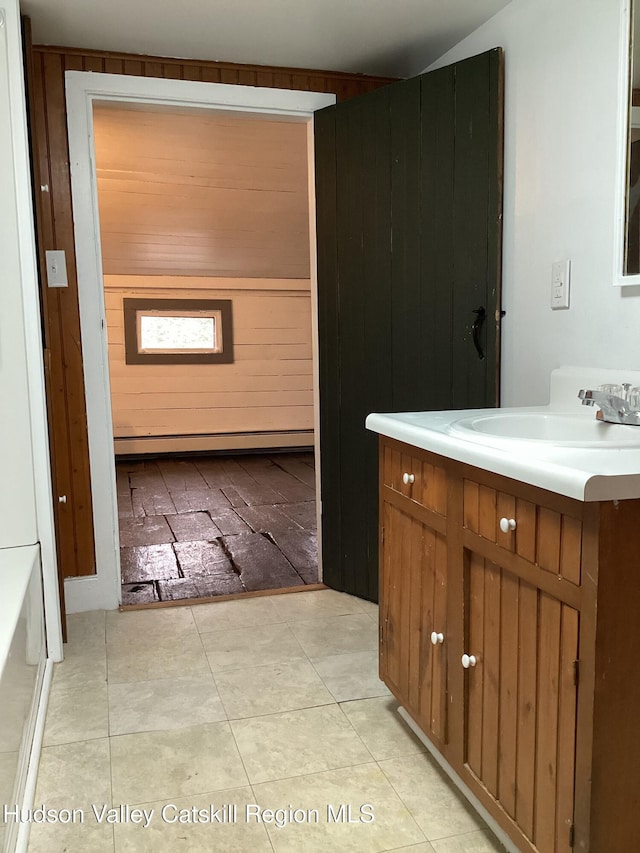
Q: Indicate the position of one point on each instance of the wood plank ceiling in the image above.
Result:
(201, 193)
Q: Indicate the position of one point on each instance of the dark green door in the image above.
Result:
(408, 195)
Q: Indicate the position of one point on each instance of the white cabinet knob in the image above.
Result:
(408, 478)
(468, 660)
(62, 499)
(436, 638)
(507, 524)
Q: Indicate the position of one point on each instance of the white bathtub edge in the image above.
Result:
(497, 830)
(30, 772)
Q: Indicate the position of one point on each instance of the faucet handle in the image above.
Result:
(614, 390)
(617, 404)
(633, 398)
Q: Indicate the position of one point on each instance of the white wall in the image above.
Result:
(17, 500)
(26, 513)
(561, 96)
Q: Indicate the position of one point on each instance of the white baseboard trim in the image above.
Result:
(497, 830)
(203, 443)
(29, 789)
(100, 591)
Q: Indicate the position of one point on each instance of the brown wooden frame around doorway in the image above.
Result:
(45, 68)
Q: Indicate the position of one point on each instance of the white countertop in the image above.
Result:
(585, 473)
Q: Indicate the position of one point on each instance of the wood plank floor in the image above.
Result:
(205, 526)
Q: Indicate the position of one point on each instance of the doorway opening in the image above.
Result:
(204, 231)
(229, 427)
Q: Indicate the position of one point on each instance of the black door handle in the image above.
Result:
(476, 328)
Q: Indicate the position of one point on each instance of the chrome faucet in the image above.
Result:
(616, 404)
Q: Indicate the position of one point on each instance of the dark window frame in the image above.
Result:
(132, 353)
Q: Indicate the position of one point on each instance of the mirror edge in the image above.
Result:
(622, 147)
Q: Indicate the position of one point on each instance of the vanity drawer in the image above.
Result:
(550, 539)
(412, 473)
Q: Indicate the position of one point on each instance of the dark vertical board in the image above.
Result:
(364, 217)
(355, 324)
(435, 372)
(475, 164)
(353, 292)
(328, 344)
(494, 222)
(376, 235)
(405, 240)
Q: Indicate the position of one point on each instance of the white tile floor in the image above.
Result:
(270, 703)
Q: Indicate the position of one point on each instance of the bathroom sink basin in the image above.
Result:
(557, 428)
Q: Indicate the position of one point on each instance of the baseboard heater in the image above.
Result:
(222, 441)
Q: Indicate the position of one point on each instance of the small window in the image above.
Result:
(178, 331)
(169, 332)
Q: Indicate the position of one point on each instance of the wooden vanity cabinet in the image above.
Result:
(516, 648)
(414, 582)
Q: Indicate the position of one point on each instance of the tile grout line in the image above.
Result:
(484, 830)
(316, 773)
(255, 800)
(289, 623)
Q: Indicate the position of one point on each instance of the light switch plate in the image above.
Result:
(56, 269)
(560, 274)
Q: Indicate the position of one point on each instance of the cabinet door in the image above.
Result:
(520, 709)
(414, 588)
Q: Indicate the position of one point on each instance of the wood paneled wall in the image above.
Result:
(267, 389)
(63, 356)
(201, 193)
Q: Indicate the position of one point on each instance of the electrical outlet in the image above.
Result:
(560, 273)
